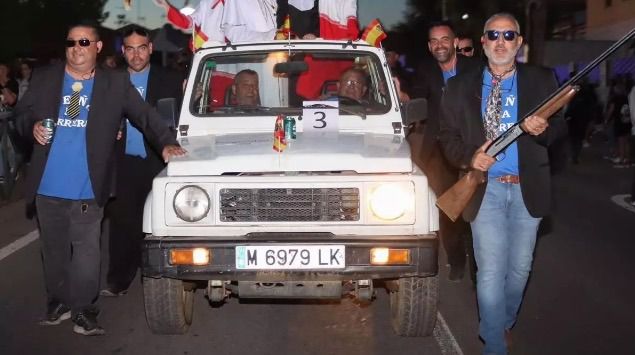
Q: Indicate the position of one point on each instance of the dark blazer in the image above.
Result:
(462, 133)
(113, 97)
(162, 83)
(427, 152)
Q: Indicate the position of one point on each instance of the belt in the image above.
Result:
(509, 179)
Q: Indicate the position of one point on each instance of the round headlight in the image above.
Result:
(389, 201)
(191, 203)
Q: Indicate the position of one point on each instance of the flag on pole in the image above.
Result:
(286, 27)
(374, 33)
(198, 38)
(127, 4)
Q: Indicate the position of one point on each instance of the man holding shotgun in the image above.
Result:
(505, 210)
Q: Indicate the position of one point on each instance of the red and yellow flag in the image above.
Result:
(374, 33)
(198, 38)
(286, 26)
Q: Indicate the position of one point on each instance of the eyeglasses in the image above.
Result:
(353, 83)
(465, 49)
(509, 35)
(84, 42)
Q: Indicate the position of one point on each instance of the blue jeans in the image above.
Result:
(504, 238)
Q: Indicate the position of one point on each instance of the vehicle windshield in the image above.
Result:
(270, 83)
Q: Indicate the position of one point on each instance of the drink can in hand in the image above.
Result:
(49, 124)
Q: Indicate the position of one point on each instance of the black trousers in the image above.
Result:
(125, 217)
(70, 231)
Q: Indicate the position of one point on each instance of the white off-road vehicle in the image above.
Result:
(341, 209)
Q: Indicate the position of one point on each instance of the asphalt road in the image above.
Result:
(580, 299)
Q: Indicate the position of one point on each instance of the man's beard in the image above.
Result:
(500, 59)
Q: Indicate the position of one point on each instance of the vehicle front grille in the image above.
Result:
(289, 205)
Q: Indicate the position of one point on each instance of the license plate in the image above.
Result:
(290, 257)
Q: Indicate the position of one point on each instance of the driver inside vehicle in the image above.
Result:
(352, 84)
(245, 88)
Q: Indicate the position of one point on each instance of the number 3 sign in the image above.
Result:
(320, 116)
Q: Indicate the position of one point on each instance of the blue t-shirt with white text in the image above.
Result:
(506, 161)
(66, 172)
(134, 138)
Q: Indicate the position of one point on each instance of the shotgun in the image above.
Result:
(454, 200)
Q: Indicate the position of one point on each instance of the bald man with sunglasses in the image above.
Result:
(507, 208)
(72, 172)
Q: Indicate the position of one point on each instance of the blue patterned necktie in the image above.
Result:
(494, 105)
(493, 109)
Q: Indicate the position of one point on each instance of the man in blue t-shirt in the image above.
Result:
(71, 172)
(137, 164)
(432, 76)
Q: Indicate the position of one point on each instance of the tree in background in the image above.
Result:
(36, 28)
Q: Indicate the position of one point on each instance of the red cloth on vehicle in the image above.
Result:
(320, 70)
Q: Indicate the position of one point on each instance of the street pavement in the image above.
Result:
(580, 299)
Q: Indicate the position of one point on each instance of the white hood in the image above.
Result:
(253, 153)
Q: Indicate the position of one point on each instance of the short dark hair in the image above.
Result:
(245, 72)
(86, 24)
(134, 29)
(444, 23)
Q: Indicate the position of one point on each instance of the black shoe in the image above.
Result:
(86, 323)
(112, 292)
(56, 312)
(456, 273)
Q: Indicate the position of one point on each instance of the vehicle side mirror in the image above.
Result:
(290, 67)
(168, 111)
(414, 111)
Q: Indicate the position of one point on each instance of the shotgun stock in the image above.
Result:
(454, 200)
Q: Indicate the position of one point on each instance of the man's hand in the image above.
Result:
(40, 133)
(482, 161)
(172, 150)
(534, 125)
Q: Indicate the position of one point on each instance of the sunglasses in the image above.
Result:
(84, 42)
(509, 35)
(465, 49)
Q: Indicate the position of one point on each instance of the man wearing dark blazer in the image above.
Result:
(506, 210)
(431, 78)
(137, 164)
(71, 176)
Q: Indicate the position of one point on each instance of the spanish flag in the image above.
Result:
(127, 4)
(286, 26)
(285, 31)
(198, 38)
(374, 33)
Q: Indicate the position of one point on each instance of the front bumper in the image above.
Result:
(423, 257)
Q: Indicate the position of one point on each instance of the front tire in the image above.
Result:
(168, 305)
(414, 306)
